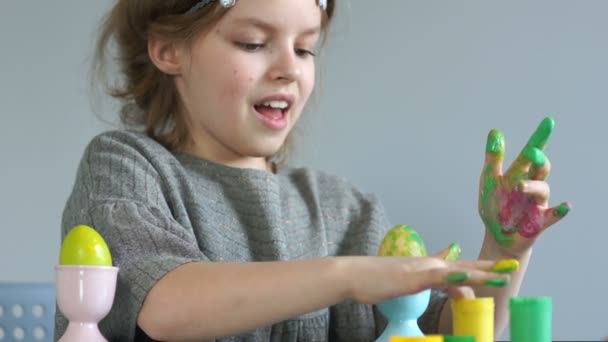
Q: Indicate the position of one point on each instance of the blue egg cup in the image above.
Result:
(402, 314)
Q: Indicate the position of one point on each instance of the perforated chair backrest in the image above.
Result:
(27, 312)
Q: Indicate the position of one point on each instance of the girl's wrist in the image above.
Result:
(492, 250)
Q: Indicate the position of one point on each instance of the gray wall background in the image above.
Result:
(408, 94)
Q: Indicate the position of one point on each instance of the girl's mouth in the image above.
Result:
(273, 113)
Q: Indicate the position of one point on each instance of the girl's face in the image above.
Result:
(244, 84)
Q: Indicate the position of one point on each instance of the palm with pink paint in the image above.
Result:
(514, 205)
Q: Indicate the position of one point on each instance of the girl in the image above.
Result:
(214, 234)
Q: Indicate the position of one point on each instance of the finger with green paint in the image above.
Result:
(491, 182)
(495, 153)
(532, 156)
(514, 205)
(451, 253)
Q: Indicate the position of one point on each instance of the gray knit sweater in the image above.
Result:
(158, 210)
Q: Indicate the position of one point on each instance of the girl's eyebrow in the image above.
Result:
(268, 27)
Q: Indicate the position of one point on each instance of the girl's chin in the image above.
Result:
(264, 153)
(266, 144)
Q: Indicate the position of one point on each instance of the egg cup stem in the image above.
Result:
(402, 314)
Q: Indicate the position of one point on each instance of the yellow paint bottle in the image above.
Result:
(474, 317)
(429, 338)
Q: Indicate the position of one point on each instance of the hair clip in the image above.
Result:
(230, 3)
(204, 3)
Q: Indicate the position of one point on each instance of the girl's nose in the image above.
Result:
(286, 66)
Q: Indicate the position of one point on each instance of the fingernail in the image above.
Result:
(456, 277)
(496, 282)
(495, 142)
(562, 210)
(453, 252)
(535, 155)
(506, 266)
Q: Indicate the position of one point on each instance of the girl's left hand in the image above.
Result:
(514, 206)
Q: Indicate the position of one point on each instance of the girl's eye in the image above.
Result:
(304, 53)
(252, 47)
(249, 46)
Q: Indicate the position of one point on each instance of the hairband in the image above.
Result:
(230, 3)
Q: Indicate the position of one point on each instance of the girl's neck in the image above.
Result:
(256, 163)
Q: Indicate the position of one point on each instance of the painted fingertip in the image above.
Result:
(456, 277)
(562, 210)
(453, 252)
(496, 282)
(535, 155)
(548, 124)
(506, 266)
(543, 132)
(495, 142)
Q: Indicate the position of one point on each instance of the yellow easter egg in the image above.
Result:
(402, 240)
(84, 246)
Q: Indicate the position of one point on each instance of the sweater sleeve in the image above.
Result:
(116, 192)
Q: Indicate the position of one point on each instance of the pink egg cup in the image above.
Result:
(85, 295)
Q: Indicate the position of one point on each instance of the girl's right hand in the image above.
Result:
(375, 279)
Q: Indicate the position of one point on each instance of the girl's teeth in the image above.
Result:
(276, 104)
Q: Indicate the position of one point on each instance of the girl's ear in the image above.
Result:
(165, 55)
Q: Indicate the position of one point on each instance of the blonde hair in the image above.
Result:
(149, 99)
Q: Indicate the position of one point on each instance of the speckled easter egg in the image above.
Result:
(402, 240)
(84, 246)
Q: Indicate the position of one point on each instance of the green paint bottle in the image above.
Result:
(530, 319)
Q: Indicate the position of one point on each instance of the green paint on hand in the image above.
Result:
(533, 151)
(489, 186)
(535, 155)
(496, 282)
(540, 137)
(453, 252)
(562, 210)
(502, 239)
(456, 277)
(495, 142)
